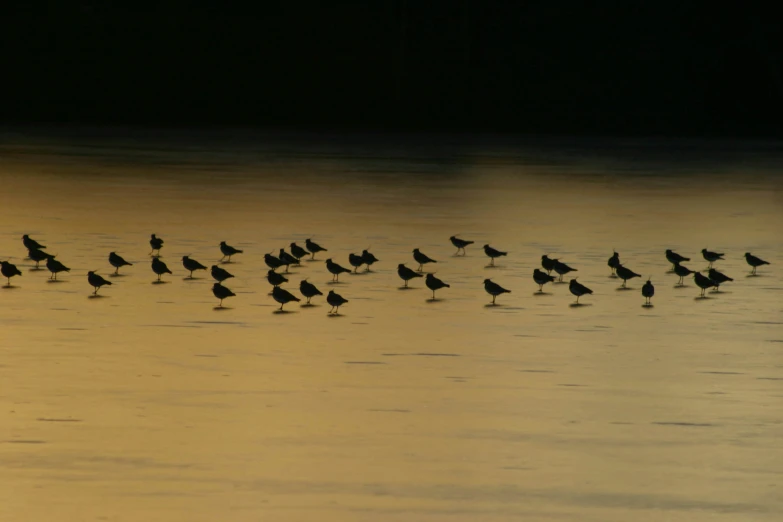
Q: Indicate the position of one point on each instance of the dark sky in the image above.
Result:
(639, 68)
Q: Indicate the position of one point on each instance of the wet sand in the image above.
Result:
(150, 404)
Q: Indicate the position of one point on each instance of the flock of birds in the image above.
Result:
(713, 279)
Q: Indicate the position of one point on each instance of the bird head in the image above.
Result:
(487, 281)
(401, 265)
(328, 260)
(415, 250)
(747, 254)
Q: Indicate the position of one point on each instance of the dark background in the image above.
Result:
(622, 68)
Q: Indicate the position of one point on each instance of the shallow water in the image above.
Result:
(151, 404)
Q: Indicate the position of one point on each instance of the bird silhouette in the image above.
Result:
(578, 289)
(37, 256)
(191, 265)
(648, 291)
(625, 274)
(335, 300)
(493, 253)
(703, 282)
(31, 244)
(421, 259)
(711, 256)
(683, 272)
(355, 261)
(494, 289)
(9, 270)
(675, 259)
(96, 281)
(297, 251)
(308, 290)
(548, 263)
(159, 267)
(433, 283)
(335, 269)
(275, 279)
(156, 243)
(313, 248)
(460, 244)
(562, 269)
(614, 261)
(754, 261)
(272, 262)
(541, 279)
(117, 262)
(220, 274)
(228, 251)
(283, 296)
(55, 267)
(221, 292)
(287, 259)
(406, 274)
(718, 278)
(368, 259)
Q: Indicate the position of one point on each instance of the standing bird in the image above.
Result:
(718, 278)
(272, 262)
(406, 274)
(368, 259)
(711, 256)
(492, 253)
(356, 261)
(220, 274)
(30, 243)
(159, 267)
(421, 259)
(625, 274)
(541, 279)
(96, 281)
(191, 265)
(614, 261)
(336, 301)
(460, 244)
(308, 290)
(156, 243)
(675, 259)
(562, 269)
(221, 292)
(547, 263)
(433, 283)
(578, 289)
(55, 267)
(283, 296)
(754, 261)
(648, 291)
(117, 262)
(275, 279)
(9, 270)
(287, 258)
(703, 282)
(297, 251)
(37, 256)
(335, 269)
(313, 248)
(494, 289)
(228, 250)
(683, 272)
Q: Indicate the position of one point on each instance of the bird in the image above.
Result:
(220, 274)
(494, 289)
(562, 269)
(541, 279)
(30, 243)
(191, 265)
(356, 261)
(156, 243)
(37, 256)
(683, 272)
(460, 244)
(336, 301)
(547, 263)
(308, 290)
(578, 289)
(272, 262)
(55, 267)
(9, 270)
(283, 296)
(96, 281)
(228, 250)
(287, 258)
(492, 253)
(421, 259)
(406, 274)
(275, 279)
(221, 292)
(297, 251)
(117, 262)
(313, 248)
(718, 278)
(335, 269)
(614, 261)
(433, 283)
(625, 274)
(369, 259)
(703, 282)
(711, 256)
(648, 290)
(159, 267)
(754, 261)
(675, 259)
